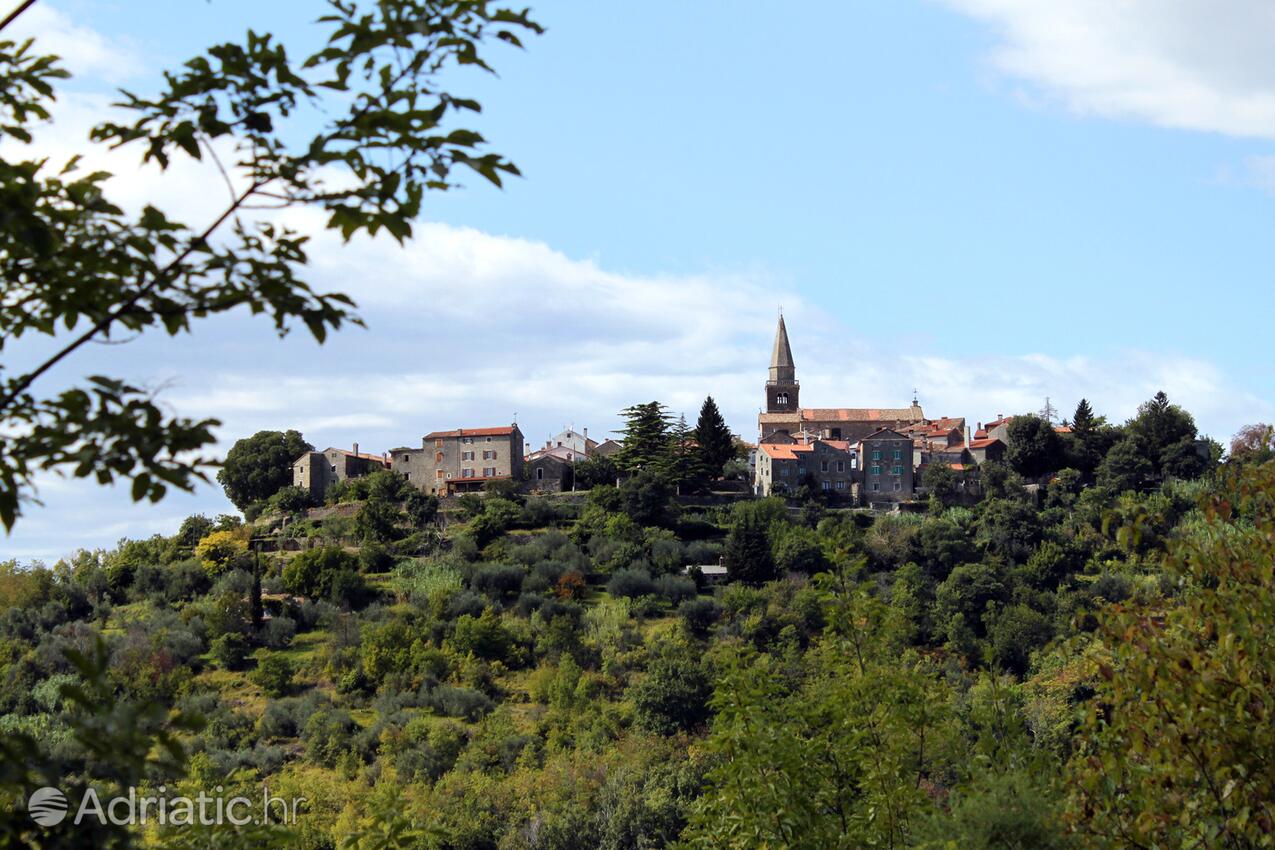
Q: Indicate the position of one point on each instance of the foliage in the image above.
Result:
(714, 441)
(1175, 744)
(259, 466)
(747, 553)
(646, 437)
(674, 694)
(1034, 446)
(274, 674)
(221, 550)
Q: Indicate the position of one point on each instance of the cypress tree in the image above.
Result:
(747, 555)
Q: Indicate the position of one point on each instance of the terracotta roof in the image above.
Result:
(948, 422)
(1063, 429)
(788, 451)
(980, 434)
(985, 442)
(861, 414)
(1004, 420)
(782, 418)
(505, 431)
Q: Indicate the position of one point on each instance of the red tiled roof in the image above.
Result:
(860, 414)
(788, 451)
(505, 431)
(985, 442)
(1063, 429)
(1004, 420)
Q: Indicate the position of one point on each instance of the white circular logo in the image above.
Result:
(47, 806)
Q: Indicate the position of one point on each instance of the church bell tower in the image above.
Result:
(782, 387)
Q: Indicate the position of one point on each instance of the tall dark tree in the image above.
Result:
(646, 437)
(716, 444)
(259, 466)
(685, 467)
(1034, 446)
(747, 555)
(1167, 436)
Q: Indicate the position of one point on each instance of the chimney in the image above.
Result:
(586, 432)
(356, 449)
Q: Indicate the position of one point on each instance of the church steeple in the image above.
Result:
(782, 386)
(782, 369)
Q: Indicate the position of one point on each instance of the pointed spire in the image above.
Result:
(782, 368)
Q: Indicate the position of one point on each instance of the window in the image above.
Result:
(489, 455)
(783, 469)
(438, 474)
(898, 454)
(469, 441)
(876, 454)
(876, 469)
(841, 485)
(898, 485)
(466, 455)
(876, 485)
(801, 470)
(489, 472)
(897, 469)
(841, 466)
(438, 444)
(540, 473)
(489, 439)
(823, 466)
(467, 473)
(438, 457)
(406, 458)
(827, 485)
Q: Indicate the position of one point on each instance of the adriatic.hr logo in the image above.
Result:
(48, 807)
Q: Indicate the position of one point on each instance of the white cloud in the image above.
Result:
(1192, 64)
(83, 51)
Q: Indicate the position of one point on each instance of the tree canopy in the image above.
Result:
(259, 466)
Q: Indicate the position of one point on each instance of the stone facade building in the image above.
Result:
(885, 458)
(826, 465)
(318, 471)
(462, 460)
(549, 473)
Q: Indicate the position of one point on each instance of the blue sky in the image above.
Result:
(990, 200)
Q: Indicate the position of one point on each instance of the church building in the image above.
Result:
(786, 421)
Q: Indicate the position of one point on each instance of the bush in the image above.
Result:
(221, 550)
(326, 573)
(699, 614)
(278, 632)
(676, 589)
(273, 675)
(485, 636)
(466, 703)
(498, 582)
(291, 500)
(674, 694)
(375, 557)
(631, 583)
(230, 650)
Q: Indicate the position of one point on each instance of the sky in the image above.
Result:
(989, 202)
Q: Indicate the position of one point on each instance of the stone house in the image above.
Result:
(462, 460)
(885, 461)
(549, 473)
(828, 465)
(318, 471)
(574, 441)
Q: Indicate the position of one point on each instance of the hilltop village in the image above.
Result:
(855, 456)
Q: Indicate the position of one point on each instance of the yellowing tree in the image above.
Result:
(220, 549)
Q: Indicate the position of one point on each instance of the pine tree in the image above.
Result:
(646, 437)
(684, 467)
(1083, 422)
(716, 443)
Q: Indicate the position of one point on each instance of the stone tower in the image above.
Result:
(782, 387)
